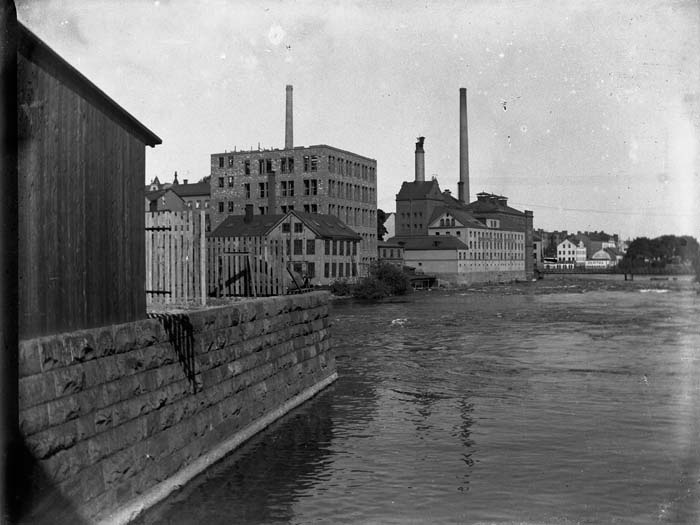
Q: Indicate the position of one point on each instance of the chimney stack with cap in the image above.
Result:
(463, 185)
(288, 125)
(420, 160)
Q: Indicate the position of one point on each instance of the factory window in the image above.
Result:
(262, 189)
(230, 206)
(306, 163)
(325, 270)
(221, 182)
(283, 165)
(333, 271)
(459, 233)
(262, 210)
(331, 163)
(335, 247)
(230, 162)
(290, 188)
(328, 248)
(221, 162)
(221, 206)
(246, 167)
(310, 270)
(246, 190)
(340, 269)
(354, 269)
(437, 233)
(341, 247)
(230, 181)
(298, 246)
(310, 247)
(286, 227)
(298, 227)
(310, 187)
(314, 163)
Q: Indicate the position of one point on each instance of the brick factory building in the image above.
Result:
(487, 240)
(310, 179)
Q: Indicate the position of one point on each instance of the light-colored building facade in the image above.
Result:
(571, 250)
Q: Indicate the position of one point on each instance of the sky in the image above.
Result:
(585, 112)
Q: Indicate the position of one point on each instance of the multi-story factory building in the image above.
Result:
(313, 179)
(459, 241)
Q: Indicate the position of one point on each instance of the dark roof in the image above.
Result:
(153, 195)
(429, 242)
(491, 206)
(388, 244)
(614, 252)
(418, 190)
(464, 217)
(192, 190)
(235, 226)
(325, 226)
(36, 50)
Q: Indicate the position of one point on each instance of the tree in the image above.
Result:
(381, 219)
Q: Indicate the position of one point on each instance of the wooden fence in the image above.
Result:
(176, 258)
(246, 266)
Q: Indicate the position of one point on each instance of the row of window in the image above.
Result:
(349, 191)
(336, 269)
(350, 168)
(310, 164)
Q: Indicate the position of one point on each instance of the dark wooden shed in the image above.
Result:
(81, 163)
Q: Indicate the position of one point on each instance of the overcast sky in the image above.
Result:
(587, 113)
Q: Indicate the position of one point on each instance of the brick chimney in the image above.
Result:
(271, 193)
(463, 184)
(248, 213)
(288, 124)
(420, 160)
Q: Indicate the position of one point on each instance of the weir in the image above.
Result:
(116, 418)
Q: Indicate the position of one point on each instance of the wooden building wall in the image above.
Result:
(81, 221)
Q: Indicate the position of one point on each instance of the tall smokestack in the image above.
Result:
(463, 184)
(420, 160)
(288, 124)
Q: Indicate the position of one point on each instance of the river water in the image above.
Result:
(540, 403)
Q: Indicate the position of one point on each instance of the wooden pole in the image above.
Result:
(10, 439)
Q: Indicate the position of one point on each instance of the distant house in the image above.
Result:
(571, 250)
(604, 258)
(444, 256)
(315, 246)
(391, 252)
(196, 196)
(164, 200)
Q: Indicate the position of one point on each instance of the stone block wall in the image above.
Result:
(109, 413)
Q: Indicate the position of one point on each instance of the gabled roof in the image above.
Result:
(419, 190)
(465, 218)
(235, 226)
(429, 242)
(324, 226)
(327, 226)
(192, 190)
(37, 51)
(157, 194)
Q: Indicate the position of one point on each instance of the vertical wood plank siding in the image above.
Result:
(82, 258)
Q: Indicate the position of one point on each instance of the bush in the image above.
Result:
(370, 288)
(384, 279)
(341, 288)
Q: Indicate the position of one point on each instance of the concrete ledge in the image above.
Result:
(158, 493)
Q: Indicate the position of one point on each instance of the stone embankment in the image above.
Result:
(115, 418)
